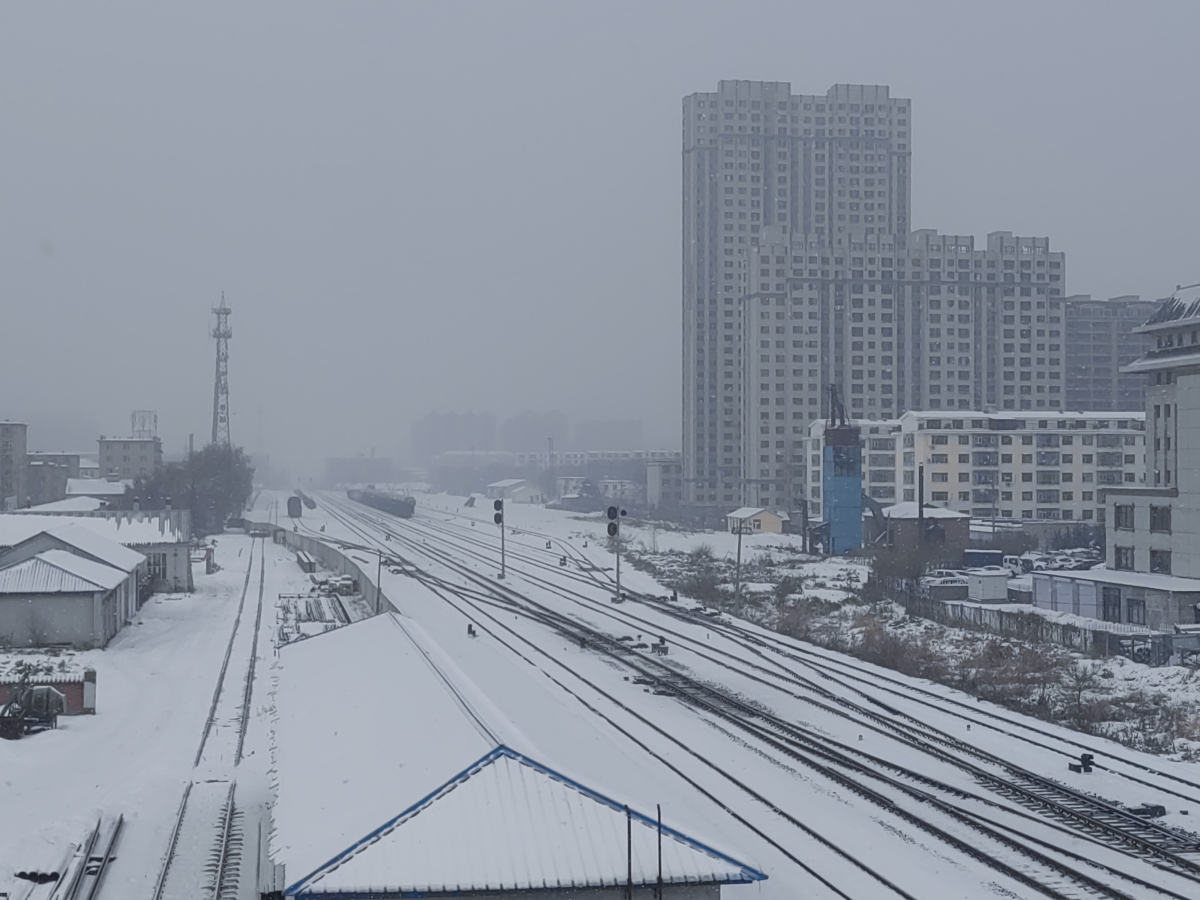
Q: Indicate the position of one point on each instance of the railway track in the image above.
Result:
(833, 667)
(1051, 875)
(204, 851)
(769, 647)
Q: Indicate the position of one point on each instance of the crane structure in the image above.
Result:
(222, 332)
(841, 488)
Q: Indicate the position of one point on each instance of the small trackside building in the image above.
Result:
(58, 598)
(433, 805)
(756, 521)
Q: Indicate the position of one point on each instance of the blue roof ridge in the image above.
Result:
(296, 889)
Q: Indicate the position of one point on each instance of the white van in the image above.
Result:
(1013, 564)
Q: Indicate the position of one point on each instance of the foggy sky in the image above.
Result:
(415, 206)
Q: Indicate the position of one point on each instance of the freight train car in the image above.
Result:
(381, 500)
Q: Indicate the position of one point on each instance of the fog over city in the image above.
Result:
(476, 207)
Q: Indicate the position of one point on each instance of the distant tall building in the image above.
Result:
(1100, 339)
(935, 324)
(833, 166)
(801, 271)
(13, 446)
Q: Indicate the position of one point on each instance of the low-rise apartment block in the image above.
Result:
(1042, 467)
(1152, 574)
(130, 457)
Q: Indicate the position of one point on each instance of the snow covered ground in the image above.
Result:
(155, 684)
(574, 704)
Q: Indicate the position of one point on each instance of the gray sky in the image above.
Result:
(476, 205)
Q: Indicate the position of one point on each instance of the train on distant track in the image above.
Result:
(381, 500)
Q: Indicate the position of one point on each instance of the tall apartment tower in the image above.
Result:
(1100, 341)
(833, 167)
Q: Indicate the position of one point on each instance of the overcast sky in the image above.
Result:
(416, 206)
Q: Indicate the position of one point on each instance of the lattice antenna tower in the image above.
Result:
(222, 332)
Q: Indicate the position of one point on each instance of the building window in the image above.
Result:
(1135, 611)
(1160, 562)
(1123, 517)
(1123, 558)
(1111, 611)
(156, 565)
(1160, 519)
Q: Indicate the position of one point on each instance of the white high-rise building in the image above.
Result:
(835, 166)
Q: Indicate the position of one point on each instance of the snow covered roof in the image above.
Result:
(58, 572)
(507, 483)
(1182, 305)
(70, 504)
(435, 802)
(132, 531)
(558, 835)
(747, 512)
(908, 510)
(16, 530)
(96, 487)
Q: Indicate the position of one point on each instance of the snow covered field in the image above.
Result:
(572, 703)
(155, 683)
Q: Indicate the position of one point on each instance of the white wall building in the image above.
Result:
(1006, 465)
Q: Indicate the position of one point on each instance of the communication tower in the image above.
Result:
(222, 332)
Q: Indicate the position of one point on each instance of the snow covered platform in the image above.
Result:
(392, 782)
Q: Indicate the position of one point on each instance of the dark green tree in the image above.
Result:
(214, 483)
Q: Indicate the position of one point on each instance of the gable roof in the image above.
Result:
(559, 834)
(102, 548)
(58, 572)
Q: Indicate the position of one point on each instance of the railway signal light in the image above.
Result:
(614, 530)
(498, 518)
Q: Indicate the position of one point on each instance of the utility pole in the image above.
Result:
(614, 531)
(498, 518)
(739, 529)
(553, 491)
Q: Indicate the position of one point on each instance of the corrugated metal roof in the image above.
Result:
(528, 828)
(58, 572)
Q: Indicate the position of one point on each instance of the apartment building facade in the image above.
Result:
(130, 457)
(1101, 337)
(1152, 572)
(1044, 467)
(757, 155)
(929, 323)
